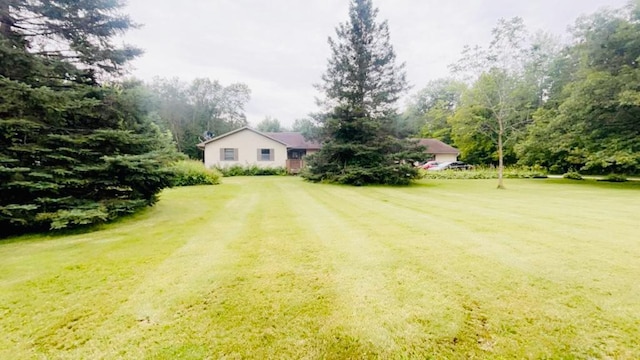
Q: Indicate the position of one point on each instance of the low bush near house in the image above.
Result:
(480, 172)
(251, 170)
(193, 172)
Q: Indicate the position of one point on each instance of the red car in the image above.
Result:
(429, 164)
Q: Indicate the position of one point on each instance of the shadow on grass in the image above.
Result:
(47, 235)
(627, 185)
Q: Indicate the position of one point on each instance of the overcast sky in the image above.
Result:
(279, 47)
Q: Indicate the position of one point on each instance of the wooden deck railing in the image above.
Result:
(294, 165)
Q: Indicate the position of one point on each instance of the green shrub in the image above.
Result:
(481, 172)
(251, 170)
(193, 172)
(572, 175)
(614, 178)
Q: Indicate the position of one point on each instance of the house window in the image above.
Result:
(265, 154)
(228, 154)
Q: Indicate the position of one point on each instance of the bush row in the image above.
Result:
(251, 170)
(487, 173)
(574, 175)
(614, 178)
(193, 172)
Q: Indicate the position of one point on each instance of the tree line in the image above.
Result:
(527, 99)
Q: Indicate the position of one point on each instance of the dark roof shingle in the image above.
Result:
(294, 140)
(435, 146)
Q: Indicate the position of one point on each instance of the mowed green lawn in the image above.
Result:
(277, 268)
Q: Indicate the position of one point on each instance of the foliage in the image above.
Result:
(196, 110)
(532, 103)
(572, 175)
(72, 152)
(308, 127)
(269, 124)
(500, 98)
(193, 172)
(428, 111)
(81, 156)
(592, 124)
(251, 170)
(479, 172)
(470, 137)
(361, 85)
(72, 40)
(614, 178)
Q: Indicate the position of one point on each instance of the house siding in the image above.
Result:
(312, 151)
(446, 157)
(247, 144)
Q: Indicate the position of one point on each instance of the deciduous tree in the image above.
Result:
(270, 124)
(497, 98)
(190, 110)
(593, 124)
(428, 110)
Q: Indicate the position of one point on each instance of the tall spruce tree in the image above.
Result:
(72, 152)
(361, 85)
(71, 40)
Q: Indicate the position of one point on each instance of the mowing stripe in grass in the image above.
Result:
(86, 270)
(497, 245)
(279, 268)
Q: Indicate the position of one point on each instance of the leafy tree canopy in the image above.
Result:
(593, 124)
(269, 124)
(427, 111)
(196, 110)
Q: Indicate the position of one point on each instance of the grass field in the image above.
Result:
(274, 267)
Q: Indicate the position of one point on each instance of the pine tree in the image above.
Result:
(72, 152)
(70, 39)
(361, 85)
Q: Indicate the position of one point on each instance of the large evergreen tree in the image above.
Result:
(361, 85)
(68, 40)
(72, 152)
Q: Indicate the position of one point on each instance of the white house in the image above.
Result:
(441, 152)
(246, 147)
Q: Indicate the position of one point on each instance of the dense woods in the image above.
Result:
(563, 107)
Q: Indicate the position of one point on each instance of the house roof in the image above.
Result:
(435, 146)
(204, 143)
(296, 140)
(293, 140)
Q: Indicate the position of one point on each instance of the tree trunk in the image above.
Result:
(500, 156)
